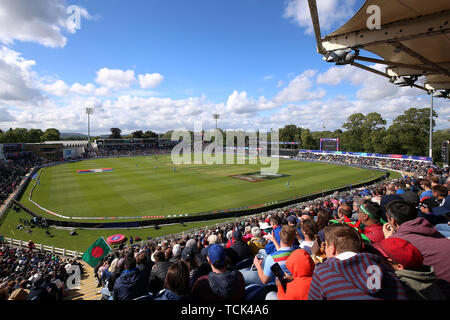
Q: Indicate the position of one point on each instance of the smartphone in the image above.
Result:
(278, 272)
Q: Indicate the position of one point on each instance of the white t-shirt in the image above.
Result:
(306, 245)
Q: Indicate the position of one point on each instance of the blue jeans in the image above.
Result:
(444, 229)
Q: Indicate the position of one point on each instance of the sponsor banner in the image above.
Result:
(377, 155)
(95, 170)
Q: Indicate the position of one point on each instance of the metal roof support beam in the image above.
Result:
(316, 24)
(396, 64)
(421, 58)
(420, 27)
(361, 66)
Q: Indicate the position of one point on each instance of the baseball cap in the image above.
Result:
(217, 255)
(292, 219)
(192, 244)
(176, 250)
(237, 234)
(187, 254)
(400, 251)
(429, 203)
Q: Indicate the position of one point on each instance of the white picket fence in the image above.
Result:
(59, 251)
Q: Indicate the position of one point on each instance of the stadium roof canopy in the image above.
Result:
(67, 143)
(412, 40)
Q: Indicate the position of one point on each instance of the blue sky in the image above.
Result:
(252, 61)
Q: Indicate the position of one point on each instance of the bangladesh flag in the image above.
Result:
(96, 252)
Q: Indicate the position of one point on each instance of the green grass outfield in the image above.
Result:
(143, 186)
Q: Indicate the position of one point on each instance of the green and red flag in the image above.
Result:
(96, 252)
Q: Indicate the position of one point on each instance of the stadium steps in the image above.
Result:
(88, 289)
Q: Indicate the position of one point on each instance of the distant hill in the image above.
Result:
(66, 135)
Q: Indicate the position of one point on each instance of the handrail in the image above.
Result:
(59, 251)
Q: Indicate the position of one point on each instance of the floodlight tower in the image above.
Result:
(89, 111)
(216, 116)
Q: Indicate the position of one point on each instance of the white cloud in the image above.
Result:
(16, 77)
(102, 91)
(115, 78)
(331, 13)
(268, 77)
(150, 80)
(58, 88)
(87, 89)
(5, 116)
(372, 86)
(300, 89)
(41, 21)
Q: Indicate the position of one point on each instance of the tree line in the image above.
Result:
(408, 134)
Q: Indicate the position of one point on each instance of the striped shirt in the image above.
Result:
(358, 277)
(280, 256)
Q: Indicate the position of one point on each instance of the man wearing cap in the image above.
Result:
(404, 223)
(292, 221)
(176, 251)
(220, 283)
(351, 274)
(418, 280)
(369, 215)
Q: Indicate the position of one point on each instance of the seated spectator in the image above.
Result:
(220, 283)
(212, 239)
(159, 271)
(425, 184)
(131, 283)
(263, 266)
(275, 223)
(350, 274)
(257, 242)
(440, 193)
(39, 290)
(142, 263)
(418, 280)
(293, 221)
(176, 250)
(239, 250)
(435, 248)
(309, 231)
(195, 266)
(176, 284)
(247, 234)
(301, 267)
(369, 215)
(323, 220)
(21, 292)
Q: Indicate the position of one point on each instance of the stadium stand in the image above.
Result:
(146, 270)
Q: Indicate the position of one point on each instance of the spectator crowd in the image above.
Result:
(419, 168)
(12, 172)
(386, 241)
(31, 274)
